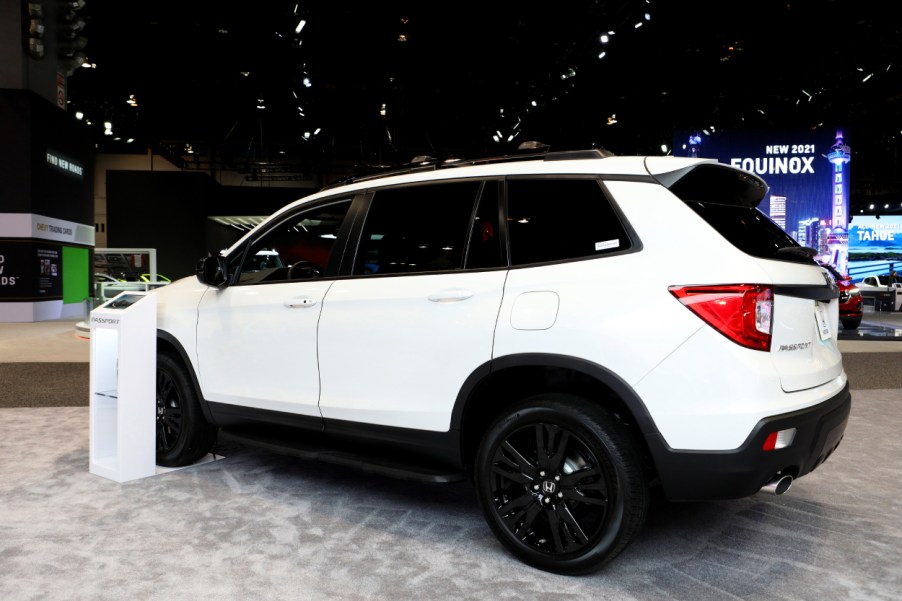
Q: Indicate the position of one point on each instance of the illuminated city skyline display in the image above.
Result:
(808, 175)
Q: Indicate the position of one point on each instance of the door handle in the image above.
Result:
(450, 295)
(299, 303)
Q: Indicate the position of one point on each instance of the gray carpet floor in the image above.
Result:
(259, 526)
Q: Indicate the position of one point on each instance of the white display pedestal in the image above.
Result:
(123, 387)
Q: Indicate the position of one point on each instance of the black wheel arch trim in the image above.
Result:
(189, 368)
(598, 372)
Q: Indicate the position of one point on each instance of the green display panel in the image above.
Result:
(76, 274)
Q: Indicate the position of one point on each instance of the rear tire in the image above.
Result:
(561, 484)
(183, 435)
(851, 324)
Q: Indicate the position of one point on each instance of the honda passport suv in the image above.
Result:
(480, 320)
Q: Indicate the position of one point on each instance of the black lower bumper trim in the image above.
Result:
(708, 475)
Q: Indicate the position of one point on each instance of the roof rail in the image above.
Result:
(537, 151)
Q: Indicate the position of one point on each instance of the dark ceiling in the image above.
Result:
(452, 76)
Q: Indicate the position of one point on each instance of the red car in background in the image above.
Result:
(850, 301)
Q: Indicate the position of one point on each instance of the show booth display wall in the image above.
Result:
(46, 211)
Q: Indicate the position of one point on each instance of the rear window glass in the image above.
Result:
(727, 202)
(751, 231)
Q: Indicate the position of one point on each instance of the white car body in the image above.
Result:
(407, 359)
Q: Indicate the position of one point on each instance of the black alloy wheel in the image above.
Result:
(561, 485)
(183, 435)
(169, 412)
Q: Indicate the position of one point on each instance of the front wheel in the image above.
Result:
(183, 435)
(561, 484)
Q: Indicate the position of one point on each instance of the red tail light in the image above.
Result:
(741, 312)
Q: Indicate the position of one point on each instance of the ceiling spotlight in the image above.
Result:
(307, 82)
(605, 38)
(79, 115)
(602, 55)
(300, 26)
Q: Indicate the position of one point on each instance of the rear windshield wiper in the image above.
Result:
(804, 252)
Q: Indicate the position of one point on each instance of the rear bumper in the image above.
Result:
(705, 475)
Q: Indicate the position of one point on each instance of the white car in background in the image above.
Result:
(882, 283)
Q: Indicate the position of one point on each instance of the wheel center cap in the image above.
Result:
(549, 487)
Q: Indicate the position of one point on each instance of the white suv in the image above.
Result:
(482, 320)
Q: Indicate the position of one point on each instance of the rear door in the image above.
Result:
(399, 338)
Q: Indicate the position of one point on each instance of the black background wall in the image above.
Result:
(31, 128)
(168, 210)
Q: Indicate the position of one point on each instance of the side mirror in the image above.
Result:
(213, 271)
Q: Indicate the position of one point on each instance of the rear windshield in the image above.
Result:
(727, 202)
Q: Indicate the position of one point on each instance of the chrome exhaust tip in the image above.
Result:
(778, 485)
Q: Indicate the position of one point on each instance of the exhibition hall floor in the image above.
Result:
(259, 526)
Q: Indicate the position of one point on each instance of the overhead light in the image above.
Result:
(300, 26)
(602, 54)
(79, 115)
(605, 38)
(307, 82)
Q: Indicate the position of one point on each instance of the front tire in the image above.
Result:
(183, 435)
(561, 484)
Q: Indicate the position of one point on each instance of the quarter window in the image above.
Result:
(555, 219)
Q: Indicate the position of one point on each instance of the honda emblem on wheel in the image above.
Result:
(549, 487)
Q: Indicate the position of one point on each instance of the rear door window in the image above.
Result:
(415, 229)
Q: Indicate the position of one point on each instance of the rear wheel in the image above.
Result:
(561, 484)
(183, 435)
(851, 324)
